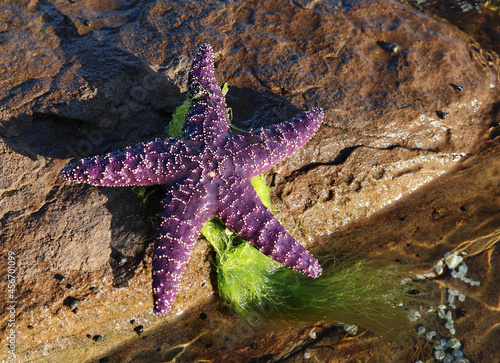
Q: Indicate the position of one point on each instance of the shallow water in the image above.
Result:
(480, 19)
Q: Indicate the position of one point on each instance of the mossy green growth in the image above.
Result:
(225, 89)
(263, 190)
(255, 287)
(355, 291)
(242, 271)
(174, 128)
(145, 193)
(366, 293)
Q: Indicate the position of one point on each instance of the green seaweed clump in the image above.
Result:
(256, 288)
(366, 293)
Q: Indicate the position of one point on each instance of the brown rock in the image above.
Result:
(384, 171)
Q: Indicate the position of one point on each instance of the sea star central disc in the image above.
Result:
(205, 174)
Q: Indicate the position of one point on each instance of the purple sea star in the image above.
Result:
(205, 174)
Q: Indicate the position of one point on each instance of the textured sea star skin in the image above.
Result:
(205, 174)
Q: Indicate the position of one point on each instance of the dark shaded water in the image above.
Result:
(480, 19)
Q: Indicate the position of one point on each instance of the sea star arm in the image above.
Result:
(265, 147)
(207, 120)
(184, 210)
(155, 162)
(250, 219)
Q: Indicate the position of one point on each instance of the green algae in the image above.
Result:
(370, 294)
(258, 289)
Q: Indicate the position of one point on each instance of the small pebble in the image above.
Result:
(441, 344)
(430, 335)
(420, 330)
(97, 337)
(453, 343)
(442, 313)
(59, 277)
(439, 354)
(414, 315)
(439, 267)
(86, 22)
(452, 292)
(452, 260)
(442, 115)
(457, 87)
(388, 47)
(74, 304)
(462, 269)
(30, 327)
(451, 301)
(393, 47)
(121, 259)
(94, 289)
(406, 280)
(312, 335)
(351, 329)
(307, 355)
(139, 330)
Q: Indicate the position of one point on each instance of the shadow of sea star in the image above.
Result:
(206, 173)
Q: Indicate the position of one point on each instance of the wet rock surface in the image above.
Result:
(405, 164)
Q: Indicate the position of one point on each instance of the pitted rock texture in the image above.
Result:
(81, 79)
